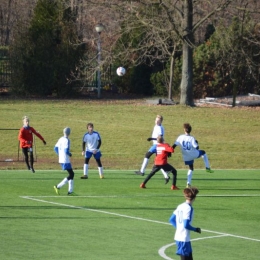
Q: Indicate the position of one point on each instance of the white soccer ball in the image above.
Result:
(120, 71)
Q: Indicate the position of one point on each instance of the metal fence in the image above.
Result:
(5, 68)
(6, 74)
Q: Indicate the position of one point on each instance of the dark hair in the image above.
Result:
(190, 193)
(187, 127)
(90, 124)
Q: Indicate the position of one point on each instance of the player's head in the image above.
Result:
(190, 193)
(90, 127)
(26, 120)
(158, 119)
(160, 139)
(187, 128)
(66, 131)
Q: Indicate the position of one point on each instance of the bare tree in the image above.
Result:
(13, 15)
(238, 51)
(163, 24)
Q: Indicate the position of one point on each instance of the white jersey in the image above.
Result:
(183, 211)
(157, 131)
(188, 146)
(91, 141)
(63, 145)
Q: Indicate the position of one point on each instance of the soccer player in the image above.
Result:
(62, 148)
(160, 162)
(181, 219)
(26, 142)
(158, 130)
(90, 146)
(190, 151)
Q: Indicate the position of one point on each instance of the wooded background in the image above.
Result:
(169, 48)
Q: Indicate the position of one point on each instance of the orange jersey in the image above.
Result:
(162, 151)
(26, 136)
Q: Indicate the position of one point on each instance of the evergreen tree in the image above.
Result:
(44, 55)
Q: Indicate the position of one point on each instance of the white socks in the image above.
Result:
(164, 174)
(71, 186)
(206, 160)
(85, 169)
(65, 181)
(62, 183)
(100, 171)
(189, 176)
(145, 162)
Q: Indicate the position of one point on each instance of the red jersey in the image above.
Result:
(26, 136)
(162, 151)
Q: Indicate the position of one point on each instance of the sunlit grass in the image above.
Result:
(229, 136)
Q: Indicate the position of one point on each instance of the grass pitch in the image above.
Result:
(113, 218)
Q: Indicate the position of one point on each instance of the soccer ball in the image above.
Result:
(120, 71)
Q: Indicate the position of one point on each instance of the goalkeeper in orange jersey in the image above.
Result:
(163, 151)
(26, 142)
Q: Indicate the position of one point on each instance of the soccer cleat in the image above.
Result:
(101, 176)
(188, 185)
(84, 177)
(142, 185)
(139, 173)
(173, 187)
(209, 170)
(72, 194)
(32, 170)
(167, 180)
(57, 190)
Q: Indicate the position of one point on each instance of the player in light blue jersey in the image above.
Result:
(158, 131)
(91, 143)
(181, 219)
(62, 148)
(190, 151)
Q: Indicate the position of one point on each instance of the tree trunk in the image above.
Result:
(171, 78)
(187, 55)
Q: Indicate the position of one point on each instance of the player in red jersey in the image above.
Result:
(163, 150)
(26, 142)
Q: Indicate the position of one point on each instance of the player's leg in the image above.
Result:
(203, 154)
(169, 168)
(184, 250)
(150, 175)
(147, 156)
(70, 181)
(88, 155)
(190, 172)
(184, 257)
(57, 187)
(97, 156)
(31, 159)
(26, 158)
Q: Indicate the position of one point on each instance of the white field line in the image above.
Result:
(117, 170)
(146, 196)
(161, 251)
(125, 216)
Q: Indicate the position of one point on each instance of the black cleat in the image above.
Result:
(139, 173)
(167, 179)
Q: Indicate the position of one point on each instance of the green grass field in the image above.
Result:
(229, 136)
(114, 219)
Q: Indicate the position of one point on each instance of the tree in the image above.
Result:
(44, 54)
(238, 53)
(165, 23)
